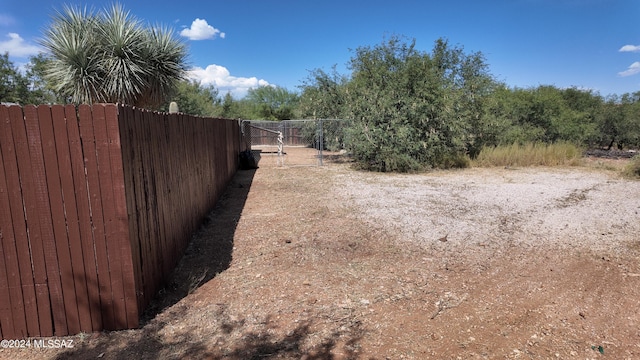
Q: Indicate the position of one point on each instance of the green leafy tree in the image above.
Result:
(237, 109)
(619, 122)
(13, 85)
(411, 110)
(544, 114)
(24, 87)
(323, 95)
(40, 91)
(111, 57)
(272, 102)
(195, 99)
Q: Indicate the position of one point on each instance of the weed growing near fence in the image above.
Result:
(530, 154)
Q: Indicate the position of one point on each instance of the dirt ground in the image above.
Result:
(300, 262)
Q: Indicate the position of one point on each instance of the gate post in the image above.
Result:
(320, 142)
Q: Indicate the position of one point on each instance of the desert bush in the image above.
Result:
(632, 170)
(409, 110)
(530, 154)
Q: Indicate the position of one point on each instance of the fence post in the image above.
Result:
(320, 142)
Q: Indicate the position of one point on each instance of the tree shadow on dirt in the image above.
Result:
(231, 338)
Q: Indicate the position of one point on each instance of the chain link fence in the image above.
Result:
(297, 142)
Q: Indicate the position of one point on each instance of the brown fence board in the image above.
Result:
(35, 189)
(84, 217)
(120, 215)
(71, 211)
(151, 197)
(12, 319)
(157, 134)
(20, 222)
(56, 251)
(6, 321)
(56, 196)
(172, 199)
(54, 283)
(97, 209)
(141, 214)
(128, 139)
(141, 168)
(106, 190)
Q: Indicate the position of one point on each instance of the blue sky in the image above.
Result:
(238, 44)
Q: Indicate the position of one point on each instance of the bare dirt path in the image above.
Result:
(329, 263)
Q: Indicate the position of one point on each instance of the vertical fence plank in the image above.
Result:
(23, 173)
(76, 275)
(120, 222)
(156, 132)
(12, 312)
(165, 205)
(171, 133)
(141, 208)
(35, 197)
(111, 233)
(58, 209)
(6, 232)
(58, 259)
(126, 124)
(85, 119)
(84, 219)
(151, 200)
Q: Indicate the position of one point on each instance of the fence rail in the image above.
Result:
(97, 204)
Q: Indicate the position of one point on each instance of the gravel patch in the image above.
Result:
(536, 207)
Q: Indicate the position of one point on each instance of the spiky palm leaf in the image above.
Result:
(123, 43)
(112, 57)
(165, 58)
(75, 69)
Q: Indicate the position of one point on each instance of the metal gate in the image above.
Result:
(297, 142)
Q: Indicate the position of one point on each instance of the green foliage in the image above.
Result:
(272, 103)
(234, 109)
(111, 57)
(529, 154)
(13, 85)
(40, 91)
(543, 114)
(618, 121)
(24, 88)
(410, 110)
(323, 95)
(194, 99)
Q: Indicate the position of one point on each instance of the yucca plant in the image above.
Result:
(110, 56)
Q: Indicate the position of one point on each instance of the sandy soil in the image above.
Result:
(330, 263)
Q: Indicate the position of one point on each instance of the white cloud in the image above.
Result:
(633, 69)
(221, 79)
(201, 30)
(17, 47)
(630, 48)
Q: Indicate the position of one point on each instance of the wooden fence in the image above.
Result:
(97, 204)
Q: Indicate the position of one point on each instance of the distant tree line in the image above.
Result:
(405, 109)
(411, 110)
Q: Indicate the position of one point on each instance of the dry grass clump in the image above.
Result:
(530, 154)
(632, 170)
